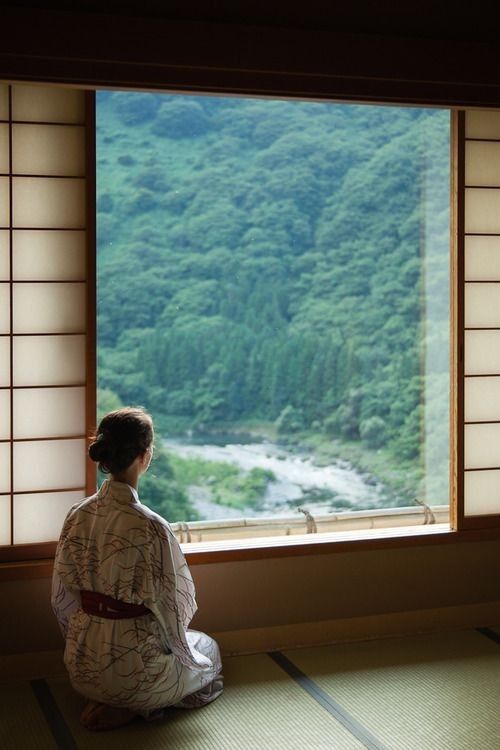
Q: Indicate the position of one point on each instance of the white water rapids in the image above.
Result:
(295, 475)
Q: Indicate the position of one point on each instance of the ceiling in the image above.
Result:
(424, 19)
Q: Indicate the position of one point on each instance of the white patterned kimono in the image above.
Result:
(112, 544)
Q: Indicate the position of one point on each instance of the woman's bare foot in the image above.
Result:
(103, 717)
(89, 709)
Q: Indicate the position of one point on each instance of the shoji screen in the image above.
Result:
(481, 316)
(43, 309)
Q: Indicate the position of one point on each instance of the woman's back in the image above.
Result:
(123, 594)
(107, 545)
(113, 545)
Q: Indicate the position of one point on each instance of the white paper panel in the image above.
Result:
(482, 123)
(4, 101)
(47, 104)
(482, 258)
(482, 446)
(4, 148)
(49, 464)
(39, 517)
(482, 210)
(4, 361)
(48, 150)
(49, 360)
(49, 412)
(4, 467)
(482, 305)
(47, 254)
(49, 308)
(481, 492)
(4, 255)
(482, 163)
(482, 352)
(5, 519)
(48, 202)
(4, 202)
(4, 415)
(4, 308)
(482, 399)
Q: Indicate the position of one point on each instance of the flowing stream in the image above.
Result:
(298, 480)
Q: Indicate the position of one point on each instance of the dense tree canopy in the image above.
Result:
(279, 261)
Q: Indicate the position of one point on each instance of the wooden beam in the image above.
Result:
(102, 50)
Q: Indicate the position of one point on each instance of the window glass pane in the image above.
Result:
(4, 308)
(482, 399)
(4, 361)
(39, 517)
(273, 285)
(49, 412)
(4, 201)
(4, 415)
(4, 519)
(482, 352)
(4, 148)
(47, 104)
(482, 492)
(482, 123)
(4, 101)
(482, 210)
(4, 467)
(482, 163)
(48, 150)
(49, 308)
(49, 464)
(482, 305)
(49, 255)
(49, 360)
(48, 202)
(482, 258)
(482, 446)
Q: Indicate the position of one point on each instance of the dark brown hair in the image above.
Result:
(121, 436)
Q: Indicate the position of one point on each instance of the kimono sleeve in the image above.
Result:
(64, 601)
(174, 599)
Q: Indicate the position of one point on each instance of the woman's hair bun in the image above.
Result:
(97, 449)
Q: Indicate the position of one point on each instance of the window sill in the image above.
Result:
(206, 553)
(321, 544)
(310, 544)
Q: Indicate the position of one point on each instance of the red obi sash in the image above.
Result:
(94, 603)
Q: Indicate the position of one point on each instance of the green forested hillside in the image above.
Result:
(276, 261)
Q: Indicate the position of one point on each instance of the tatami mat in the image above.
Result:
(430, 692)
(261, 709)
(22, 723)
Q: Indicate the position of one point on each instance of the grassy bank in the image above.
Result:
(403, 478)
(226, 484)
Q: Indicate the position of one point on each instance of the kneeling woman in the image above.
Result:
(123, 594)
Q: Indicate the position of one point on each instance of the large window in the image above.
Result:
(231, 285)
(273, 285)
